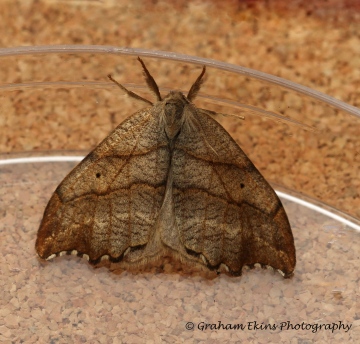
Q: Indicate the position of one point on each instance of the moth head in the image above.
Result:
(174, 108)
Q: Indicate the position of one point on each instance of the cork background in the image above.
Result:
(315, 44)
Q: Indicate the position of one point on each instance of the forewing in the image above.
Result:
(110, 201)
(224, 209)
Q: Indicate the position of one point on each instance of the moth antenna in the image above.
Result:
(202, 135)
(201, 132)
(214, 113)
(150, 81)
(208, 144)
(129, 93)
(195, 88)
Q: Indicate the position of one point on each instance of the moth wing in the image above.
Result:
(111, 200)
(225, 211)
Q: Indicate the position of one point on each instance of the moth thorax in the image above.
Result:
(174, 104)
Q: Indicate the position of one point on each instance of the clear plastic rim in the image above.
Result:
(265, 77)
(103, 49)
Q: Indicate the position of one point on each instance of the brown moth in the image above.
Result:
(169, 180)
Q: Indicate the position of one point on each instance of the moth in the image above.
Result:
(169, 180)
